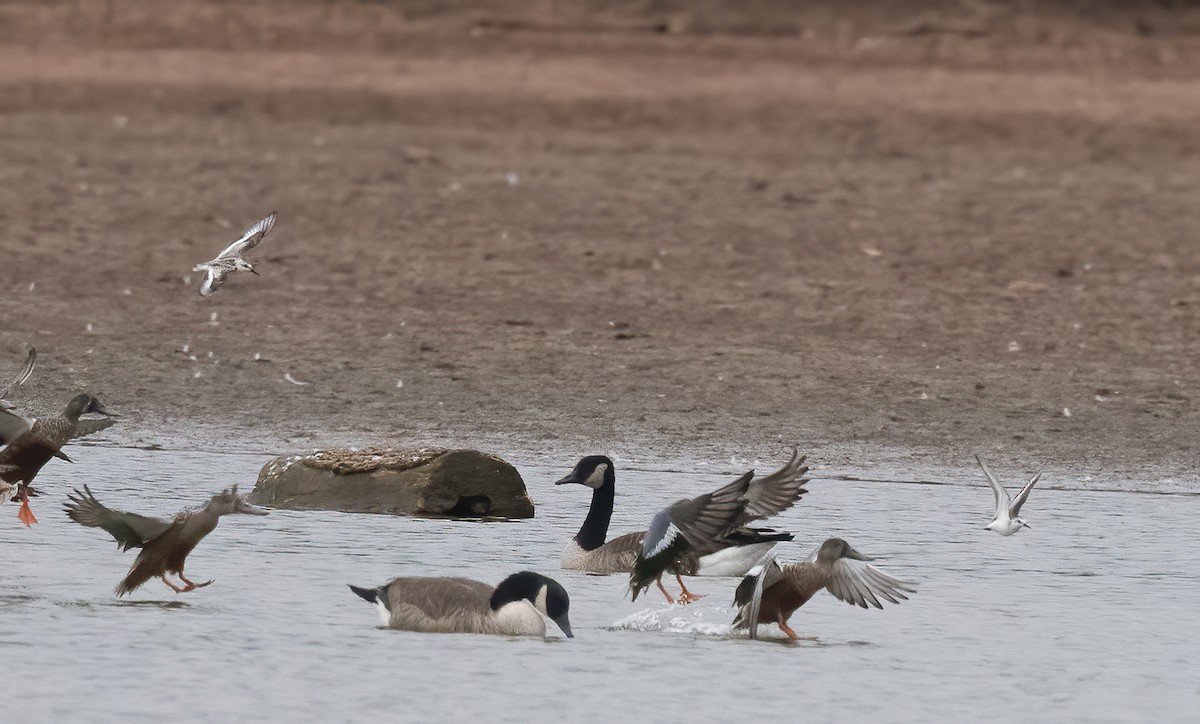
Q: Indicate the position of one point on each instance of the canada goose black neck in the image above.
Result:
(523, 585)
(594, 530)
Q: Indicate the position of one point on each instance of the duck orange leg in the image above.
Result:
(191, 586)
(686, 596)
(26, 514)
(173, 587)
(663, 588)
(779, 619)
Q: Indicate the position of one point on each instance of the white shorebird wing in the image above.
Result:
(26, 370)
(212, 281)
(1002, 499)
(1014, 509)
(250, 239)
(861, 584)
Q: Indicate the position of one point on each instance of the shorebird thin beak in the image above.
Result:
(255, 273)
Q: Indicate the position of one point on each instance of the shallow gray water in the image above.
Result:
(1090, 616)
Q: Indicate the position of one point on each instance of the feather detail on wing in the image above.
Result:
(26, 371)
(83, 428)
(1014, 509)
(12, 426)
(861, 584)
(250, 239)
(130, 530)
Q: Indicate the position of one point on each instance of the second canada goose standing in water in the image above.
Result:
(165, 544)
(589, 551)
(773, 593)
(462, 605)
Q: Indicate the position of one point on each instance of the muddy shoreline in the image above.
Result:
(670, 249)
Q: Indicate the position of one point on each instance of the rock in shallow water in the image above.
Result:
(431, 481)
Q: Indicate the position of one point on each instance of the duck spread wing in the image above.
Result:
(89, 427)
(775, 493)
(130, 530)
(12, 426)
(859, 583)
(26, 371)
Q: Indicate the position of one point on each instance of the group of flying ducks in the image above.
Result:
(709, 535)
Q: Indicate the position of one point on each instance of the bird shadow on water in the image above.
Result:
(151, 604)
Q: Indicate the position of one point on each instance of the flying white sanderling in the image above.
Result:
(1008, 509)
(231, 260)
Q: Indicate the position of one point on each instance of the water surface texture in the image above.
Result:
(1089, 616)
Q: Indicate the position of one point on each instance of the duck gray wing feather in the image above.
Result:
(771, 494)
(130, 530)
(83, 428)
(705, 521)
(26, 371)
(12, 426)
(861, 584)
(775, 493)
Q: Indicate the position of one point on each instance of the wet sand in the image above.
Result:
(892, 248)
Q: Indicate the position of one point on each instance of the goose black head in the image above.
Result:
(835, 548)
(228, 502)
(593, 471)
(546, 594)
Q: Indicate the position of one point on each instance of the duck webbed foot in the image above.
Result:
(784, 627)
(686, 596)
(25, 515)
(192, 585)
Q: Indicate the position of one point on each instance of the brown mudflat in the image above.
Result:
(880, 237)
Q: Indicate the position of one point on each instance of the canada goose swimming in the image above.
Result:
(165, 544)
(1007, 521)
(41, 440)
(26, 371)
(588, 551)
(771, 593)
(230, 260)
(461, 605)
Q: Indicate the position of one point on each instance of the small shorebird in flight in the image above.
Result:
(26, 371)
(231, 259)
(1008, 509)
